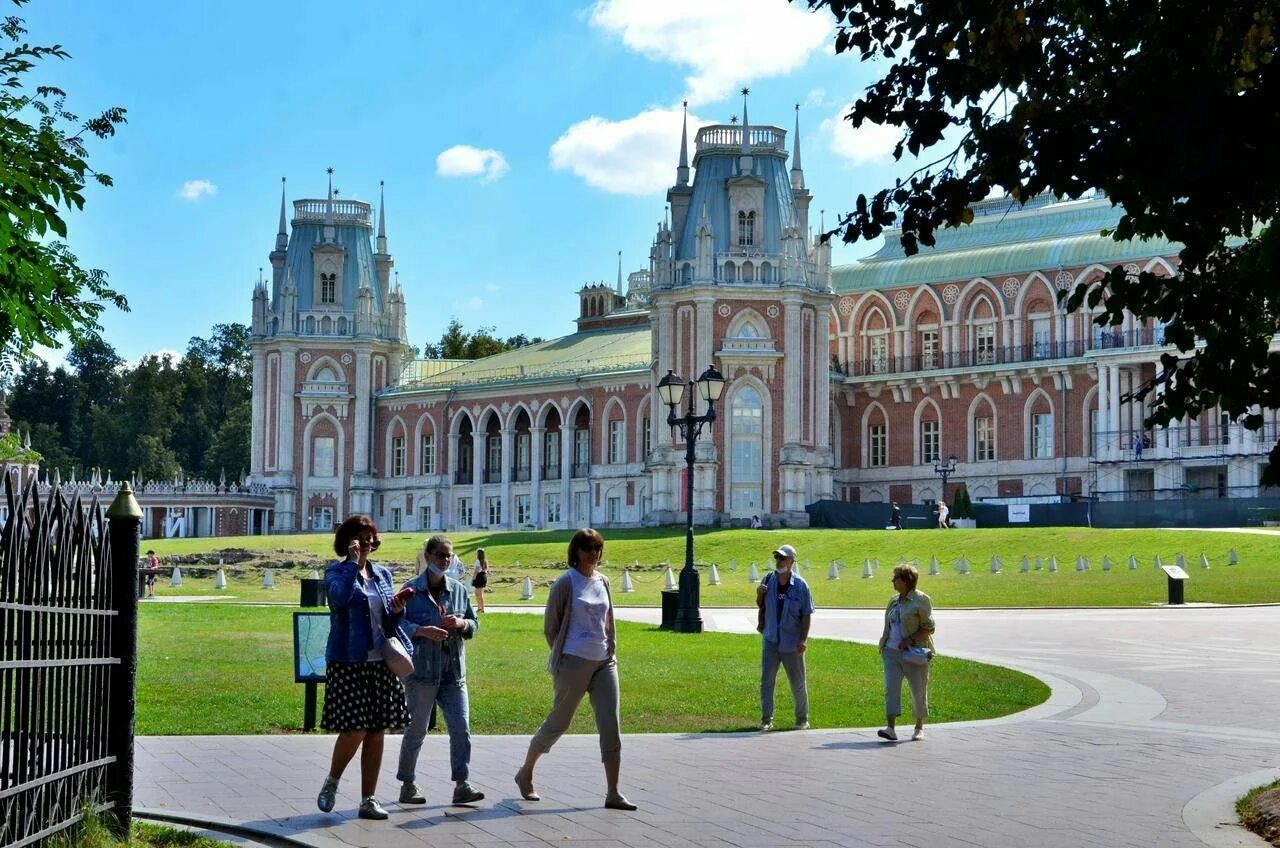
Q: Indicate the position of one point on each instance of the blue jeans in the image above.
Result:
(770, 659)
(452, 698)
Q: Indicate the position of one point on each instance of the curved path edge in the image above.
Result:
(1211, 815)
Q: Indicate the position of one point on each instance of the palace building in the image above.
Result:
(845, 383)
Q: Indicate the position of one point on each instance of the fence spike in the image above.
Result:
(670, 579)
(626, 581)
(1024, 566)
(1133, 562)
(753, 574)
(175, 579)
(714, 578)
(833, 572)
(933, 565)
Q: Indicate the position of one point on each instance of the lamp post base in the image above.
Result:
(688, 616)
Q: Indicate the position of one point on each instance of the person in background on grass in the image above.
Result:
(788, 606)
(908, 623)
(578, 626)
(438, 615)
(362, 697)
(895, 516)
(480, 579)
(153, 568)
(756, 523)
(943, 512)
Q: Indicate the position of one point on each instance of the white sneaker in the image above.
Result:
(887, 734)
(766, 726)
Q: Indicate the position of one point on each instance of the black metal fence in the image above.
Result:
(68, 624)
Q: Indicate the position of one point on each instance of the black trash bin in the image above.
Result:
(670, 606)
(313, 593)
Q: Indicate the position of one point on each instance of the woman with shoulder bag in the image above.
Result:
(906, 647)
(578, 626)
(362, 696)
(480, 579)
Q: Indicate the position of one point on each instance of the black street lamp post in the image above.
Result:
(672, 389)
(945, 470)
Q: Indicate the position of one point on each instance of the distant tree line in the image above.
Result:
(457, 343)
(160, 417)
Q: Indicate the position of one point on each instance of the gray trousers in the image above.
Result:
(917, 677)
(770, 658)
(452, 698)
(574, 678)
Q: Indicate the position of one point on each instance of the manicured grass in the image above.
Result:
(228, 669)
(94, 833)
(540, 555)
(1262, 823)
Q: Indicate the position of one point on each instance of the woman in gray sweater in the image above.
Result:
(578, 625)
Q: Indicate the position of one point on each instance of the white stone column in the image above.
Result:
(1104, 410)
(258, 412)
(792, 371)
(1114, 408)
(664, 328)
(479, 457)
(508, 459)
(821, 385)
(566, 480)
(361, 403)
(285, 410)
(537, 446)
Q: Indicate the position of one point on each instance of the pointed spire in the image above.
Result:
(328, 208)
(797, 170)
(744, 157)
(282, 237)
(382, 218)
(682, 170)
(619, 272)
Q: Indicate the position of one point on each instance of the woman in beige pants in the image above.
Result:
(578, 625)
(908, 629)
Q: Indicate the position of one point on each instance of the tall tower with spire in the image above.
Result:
(327, 336)
(738, 286)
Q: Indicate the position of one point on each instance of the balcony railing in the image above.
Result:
(462, 476)
(551, 471)
(580, 469)
(520, 474)
(1032, 352)
(493, 475)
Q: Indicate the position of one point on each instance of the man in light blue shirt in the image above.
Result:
(788, 605)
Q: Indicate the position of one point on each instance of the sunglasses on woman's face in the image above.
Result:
(593, 548)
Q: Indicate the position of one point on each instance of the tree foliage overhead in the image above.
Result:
(44, 293)
(1170, 107)
(457, 343)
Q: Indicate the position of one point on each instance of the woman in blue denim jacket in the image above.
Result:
(362, 698)
(439, 617)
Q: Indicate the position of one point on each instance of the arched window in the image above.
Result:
(877, 439)
(746, 475)
(748, 272)
(686, 273)
(728, 272)
(328, 289)
(766, 273)
(746, 229)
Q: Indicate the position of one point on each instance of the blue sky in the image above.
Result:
(558, 123)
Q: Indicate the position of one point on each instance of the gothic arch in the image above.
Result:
(748, 317)
(1158, 264)
(874, 413)
(514, 415)
(985, 286)
(1028, 409)
(545, 410)
(424, 426)
(612, 405)
(455, 422)
(339, 462)
(918, 416)
(923, 292)
(1089, 404)
(326, 363)
(982, 399)
(869, 301)
(761, 389)
(396, 423)
(643, 413)
(1034, 282)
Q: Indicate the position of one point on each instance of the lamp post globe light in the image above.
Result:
(671, 390)
(945, 470)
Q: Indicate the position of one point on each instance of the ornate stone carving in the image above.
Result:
(723, 310)
(346, 359)
(846, 305)
(1064, 280)
(304, 358)
(772, 311)
(951, 294)
(1011, 287)
(902, 300)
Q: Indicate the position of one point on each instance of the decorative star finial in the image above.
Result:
(745, 91)
(329, 171)
(733, 119)
(337, 191)
(685, 104)
(797, 107)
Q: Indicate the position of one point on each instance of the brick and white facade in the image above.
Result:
(842, 383)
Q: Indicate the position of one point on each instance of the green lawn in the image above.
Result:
(540, 555)
(228, 669)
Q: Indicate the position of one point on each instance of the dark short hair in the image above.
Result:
(149, 553)
(479, 553)
(908, 573)
(351, 528)
(584, 538)
(436, 541)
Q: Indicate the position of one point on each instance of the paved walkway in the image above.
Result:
(1154, 712)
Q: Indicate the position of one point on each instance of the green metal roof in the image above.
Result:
(1003, 239)
(586, 354)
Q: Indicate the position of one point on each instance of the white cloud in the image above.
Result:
(463, 160)
(870, 144)
(636, 155)
(197, 189)
(816, 97)
(726, 43)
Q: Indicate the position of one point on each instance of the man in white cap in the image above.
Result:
(787, 604)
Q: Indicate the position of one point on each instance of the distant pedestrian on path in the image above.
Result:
(1138, 445)
(756, 523)
(943, 512)
(787, 604)
(480, 579)
(895, 516)
(153, 568)
(438, 615)
(362, 697)
(578, 626)
(906, 648)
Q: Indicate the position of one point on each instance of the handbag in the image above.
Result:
(396, 657)
(916, 655)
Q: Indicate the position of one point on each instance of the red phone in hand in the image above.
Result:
(403, 595)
